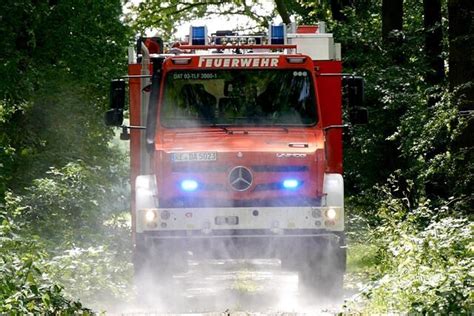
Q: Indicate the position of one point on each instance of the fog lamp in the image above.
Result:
(331, 213)
(150, 215)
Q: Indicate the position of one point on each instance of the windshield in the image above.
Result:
(238, 97)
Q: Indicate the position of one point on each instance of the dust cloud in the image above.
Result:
(217, 283)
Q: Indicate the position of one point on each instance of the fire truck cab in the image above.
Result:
(236, 150)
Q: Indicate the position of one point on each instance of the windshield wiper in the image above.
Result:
(222, 127)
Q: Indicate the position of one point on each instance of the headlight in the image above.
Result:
(150, 216)
(331, 213)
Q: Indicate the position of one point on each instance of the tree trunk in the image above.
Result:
(392, 25)
(392, 17)
(283, 11)
(337, 6)
(433, 41)
(461, 81)
(461, 39)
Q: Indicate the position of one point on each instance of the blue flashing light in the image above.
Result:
(291, 184)
(198, 35)
(277, 33)
(189, 185)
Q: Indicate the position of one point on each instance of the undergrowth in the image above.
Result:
(421, 258)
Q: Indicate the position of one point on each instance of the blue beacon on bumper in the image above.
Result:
(291, 184)
(189, 185)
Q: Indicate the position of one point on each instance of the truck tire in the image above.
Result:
(321, 269)
(154, 267)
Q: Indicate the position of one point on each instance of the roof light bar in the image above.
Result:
(237, 39)
(232, 46)
(221, 40)
(218, 38)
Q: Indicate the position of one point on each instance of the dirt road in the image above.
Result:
(235, 287)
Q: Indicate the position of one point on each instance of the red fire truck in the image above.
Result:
(236, 150)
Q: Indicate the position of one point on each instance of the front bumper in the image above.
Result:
(217, 221)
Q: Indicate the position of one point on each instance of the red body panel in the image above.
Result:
(256, 149)
(135, 100)
(329, 91)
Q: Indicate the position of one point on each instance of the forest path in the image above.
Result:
(239, 287)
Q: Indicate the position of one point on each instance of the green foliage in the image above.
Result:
(70, 205)
(407, 134)
(24, 286)
(85, 39)
(362, 257)
(446, 171)
(56, 59)
(424, 259)
(106, 277)
(428, 271)
(69, 213)
(59, 179)
(166, 16)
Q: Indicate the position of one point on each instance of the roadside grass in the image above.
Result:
(361, 258)
(361, 268)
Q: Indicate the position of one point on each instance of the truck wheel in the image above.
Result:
(154, 267)
(322, 273)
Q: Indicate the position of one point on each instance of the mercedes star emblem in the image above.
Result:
(240, 178)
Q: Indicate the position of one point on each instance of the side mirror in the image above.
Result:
(354, 96)
(117, 94)
(114, 116)
(354, 87)
(359, 116)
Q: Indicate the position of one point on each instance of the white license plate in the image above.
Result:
(202, 156)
